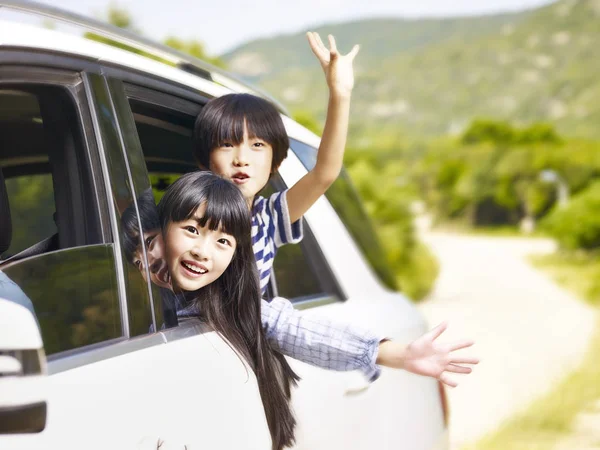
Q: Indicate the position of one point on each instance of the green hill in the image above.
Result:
(431, 77)
(379, 39)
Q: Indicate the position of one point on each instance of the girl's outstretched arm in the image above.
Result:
(340, 80)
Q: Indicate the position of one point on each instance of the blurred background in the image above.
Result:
(475, 145)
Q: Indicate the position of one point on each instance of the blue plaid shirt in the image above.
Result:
(319, 341)
(312, 339)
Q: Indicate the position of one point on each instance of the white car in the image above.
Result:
(85, 128)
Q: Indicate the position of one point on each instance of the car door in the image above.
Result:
(122, 372)
(342, 410)
(334, 410)
(213, 392)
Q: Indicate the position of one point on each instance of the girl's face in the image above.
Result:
(247, 164)
(196, 256)
(159, 274)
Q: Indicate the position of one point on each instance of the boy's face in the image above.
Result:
(196, 256)
(248, 164)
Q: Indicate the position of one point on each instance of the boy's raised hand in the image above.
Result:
(424, 356)
(337, 67)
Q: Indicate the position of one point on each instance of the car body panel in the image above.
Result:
(187, 392)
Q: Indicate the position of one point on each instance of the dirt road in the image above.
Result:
(529, 332)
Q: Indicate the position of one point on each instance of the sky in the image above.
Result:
(224, 24)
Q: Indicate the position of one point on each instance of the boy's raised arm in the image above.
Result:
(340, 80)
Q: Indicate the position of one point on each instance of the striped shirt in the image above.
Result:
(271, 228)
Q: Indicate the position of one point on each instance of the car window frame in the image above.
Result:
(169, 97)
(383, 277)
(331, 289)
(73, 82)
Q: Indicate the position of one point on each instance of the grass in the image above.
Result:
(578, 271)
(550, 418)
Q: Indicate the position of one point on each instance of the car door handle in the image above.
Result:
(357, 387)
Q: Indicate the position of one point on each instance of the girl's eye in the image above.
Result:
(191, 229)
(138, 263)
(224, 241)
(149, 240)
(259, 144)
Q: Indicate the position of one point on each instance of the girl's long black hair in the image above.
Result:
(232, 303)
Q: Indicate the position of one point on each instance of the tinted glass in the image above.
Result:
(141, 319)
(345, 200)
(53, 262)
(32, 210)
(139, 252)
(73, 294)
(165, 138)
(294, 276)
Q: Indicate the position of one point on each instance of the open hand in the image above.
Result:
(337, 67)
(424, 356)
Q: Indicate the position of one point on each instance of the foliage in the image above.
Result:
(578, 271)
(491, 174)
(30, 196)
(577, 225)
(387, 201)
(195, 49)
(121, 18)
(306, 119)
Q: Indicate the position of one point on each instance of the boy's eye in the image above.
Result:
(259, 144)
(191, 229)
(226, 144)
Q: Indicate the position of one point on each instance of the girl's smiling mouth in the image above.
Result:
(193, 269)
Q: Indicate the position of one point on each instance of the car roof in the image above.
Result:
(25, 36)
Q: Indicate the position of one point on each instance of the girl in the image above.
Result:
(206, 233)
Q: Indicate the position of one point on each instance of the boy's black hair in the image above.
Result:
(231, 304)
(222, 120)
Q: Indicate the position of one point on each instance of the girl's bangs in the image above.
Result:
(226, 213)
(226, 209)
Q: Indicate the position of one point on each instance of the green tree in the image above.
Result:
(195, 49)
(305, 118)
(121, 18)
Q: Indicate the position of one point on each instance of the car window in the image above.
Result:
(294, 276)
(165, 139)
(345, 201)
(165, 127)
(54, 259)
